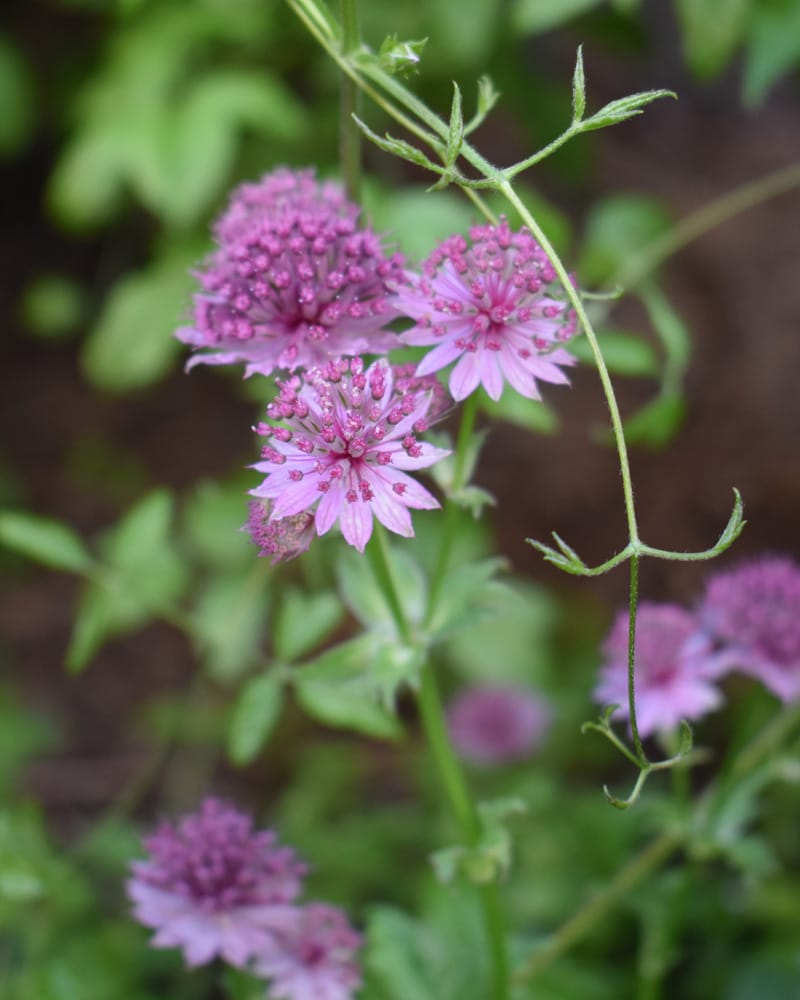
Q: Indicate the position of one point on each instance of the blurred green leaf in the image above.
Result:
(142, 573)
(339, 688)
(230, 616)
(711, 31)
(212, 518)
(44, 540)
(53, 306)
(257, 710)
(773, 47)
(466, 589)
(618, 228)
(133, 344)
(533, 17)
(656, 423)
(672, 332)
(303, 621)
(530, 414)
(417, 219)
(16, 99)
(624, 353)
(363, 596)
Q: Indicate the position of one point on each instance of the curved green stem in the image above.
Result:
(633, 601)
(349, 135)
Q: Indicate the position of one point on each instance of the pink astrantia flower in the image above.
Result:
(314, 957)
(673, 674)
(294, 281)
(213, 885)
(493, 307)
(279, 540)
(751, 614)
(339, 442)
(495, 724)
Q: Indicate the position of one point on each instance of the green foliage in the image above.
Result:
(47, 541)
(53, 306)
(142, 573)
(303, 622)
(132, 342)
(624, 353)
(229, 619)
(532, 17)
(773, 47)
(16, 99)
(617, 228)
(711, 31)
(255, 715)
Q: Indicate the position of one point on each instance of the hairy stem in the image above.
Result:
(349, 135)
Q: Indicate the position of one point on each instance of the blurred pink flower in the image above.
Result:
(494, 724)
(213, 886)
(339, 442)
(314, 957)
(751, 615)
(294, 280)
(494, 307)
(672, 671)
(280, 540)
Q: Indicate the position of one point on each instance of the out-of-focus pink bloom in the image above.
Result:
(339, 441)
(751, 615)
(214, 886)
(280, 540)
(492, 306)
(673, 675)
(294, 280)
(314, 957)
(493, 724)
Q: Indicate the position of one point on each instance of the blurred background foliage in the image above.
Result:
(123, 125)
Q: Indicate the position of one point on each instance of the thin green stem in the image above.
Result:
(457, 792)
(698, 223)
(590, 914)
(379, 557)
(349, 134)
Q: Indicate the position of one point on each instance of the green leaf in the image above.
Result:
(133, 344)
(533, 17)
(44, 540)
(455, 133)
(363, 596)
(399, 148)
(711, 31)
(465, 589)
(656, 423)
(339, 689)
(230, 616)
(212, 520)
(53, 306)
(86, 187)
(142, 574)
(773, 47)
(578, 88)
(16, 99)
(617, 229)
(257, 710)
(672, 331)
(303, 621)
(623, 109)
(417, 219)
(624, 353)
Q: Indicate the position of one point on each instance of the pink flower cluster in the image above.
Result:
(298, 283)
(748, 621)
(215, 887)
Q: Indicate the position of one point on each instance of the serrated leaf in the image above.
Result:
(303, 621)
(398, 147)
(44, 540)
(620, 110)
(230, 617)
(363, 596)
(133, 343)
(254, 717)
(338, 689)
(455, 132)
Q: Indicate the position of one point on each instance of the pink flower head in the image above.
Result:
(495, 724)
(339, 440)
(213, 885)
(280, 540)
(314, 957)
(672, 674)
(495, 308)
(751, 615)
(294, 281)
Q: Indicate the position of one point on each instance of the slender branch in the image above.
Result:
(349, 135)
